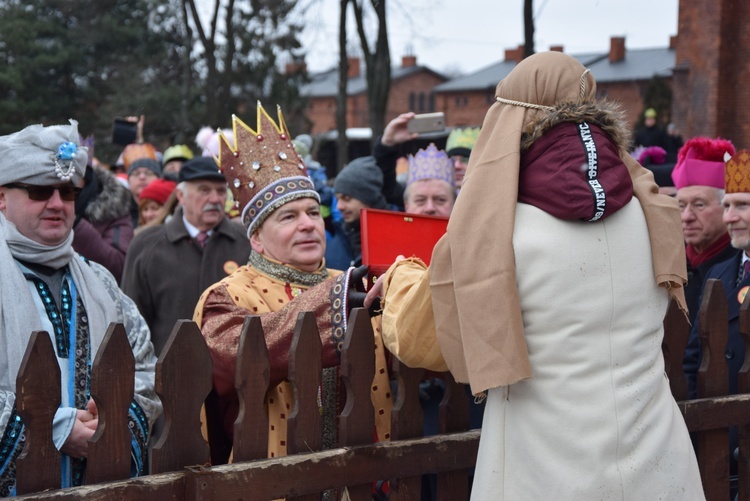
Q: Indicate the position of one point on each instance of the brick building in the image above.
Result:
(710, 96)
(411, 89)
(621, 75)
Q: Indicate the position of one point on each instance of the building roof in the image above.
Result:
(325, 84)
(638, 64)
(487, 78)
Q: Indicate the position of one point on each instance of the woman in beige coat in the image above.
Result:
(548, 293)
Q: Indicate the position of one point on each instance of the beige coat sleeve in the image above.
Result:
(408, 322)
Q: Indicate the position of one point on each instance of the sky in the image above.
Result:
(459, 36)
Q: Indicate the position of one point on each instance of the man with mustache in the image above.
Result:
(170, 265)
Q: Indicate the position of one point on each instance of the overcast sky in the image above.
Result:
(455, 36)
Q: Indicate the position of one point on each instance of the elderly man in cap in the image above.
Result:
(699, 180)
(168, 266)
(286, 275)
(46, 286)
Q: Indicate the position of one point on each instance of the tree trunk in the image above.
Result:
(342, 145)
(378, 65)
(528, 27)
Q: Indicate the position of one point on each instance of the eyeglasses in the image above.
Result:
(68, 192)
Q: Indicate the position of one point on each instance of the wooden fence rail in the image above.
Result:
(180, 458)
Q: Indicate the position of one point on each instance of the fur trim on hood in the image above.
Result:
(605, 114)
(113, 200)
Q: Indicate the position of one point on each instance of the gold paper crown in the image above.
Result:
(262, 168)
(462, 140)
(431, 163)
(737, 173)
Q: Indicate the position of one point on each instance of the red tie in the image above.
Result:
(201, 238)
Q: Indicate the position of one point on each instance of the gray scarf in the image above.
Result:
(18, 318)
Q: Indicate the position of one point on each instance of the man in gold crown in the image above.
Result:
(734, 274)
(458, 147)
(286, 275)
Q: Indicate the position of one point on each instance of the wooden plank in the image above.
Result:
(184, 364)
(407, 422)
(743, 386)
(716, 413)
(454, 417)
(112, 387)
(304, 474)
(713, 381)
(161, 487)
(252, 376)
(305, 425)
(39, 466)
(676, 336)
(357, 420)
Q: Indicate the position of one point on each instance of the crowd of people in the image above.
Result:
(547, 293)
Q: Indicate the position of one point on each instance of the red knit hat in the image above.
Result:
(158, 190)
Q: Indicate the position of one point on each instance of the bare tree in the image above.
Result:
(377, 63)
(528, 27)
(341, 96)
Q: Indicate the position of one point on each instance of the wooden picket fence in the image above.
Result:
(180, 457)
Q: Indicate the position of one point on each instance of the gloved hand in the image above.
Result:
(356, 294)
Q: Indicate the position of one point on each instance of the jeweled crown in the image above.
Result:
(737, 173)
(431, 163)
(262, 168)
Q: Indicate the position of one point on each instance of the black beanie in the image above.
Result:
(149, 163)
(362, 179)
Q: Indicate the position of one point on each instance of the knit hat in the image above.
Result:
(158, 190)
(700, 162)
(431, 163)
(149, 163)
(650, 113)
(461, 141)
(362, 179)
(738, 173)
(262, 168)
(42, 156)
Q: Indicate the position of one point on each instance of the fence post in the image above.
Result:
(252, 375)
(676, 336)
(39, 466)
(304, 424)
(407, 422)
(357, 420)
(743, 386)
(183, 379)
(454, 417)
(112, 386)
(713, 381)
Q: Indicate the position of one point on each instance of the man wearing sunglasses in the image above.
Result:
(47, 286)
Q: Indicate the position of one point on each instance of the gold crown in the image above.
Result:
(262, 168)
(462, 140)
(737, 173)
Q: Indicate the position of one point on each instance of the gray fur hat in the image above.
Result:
(42, 156)
(362, 179)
